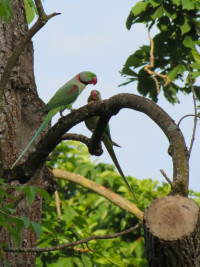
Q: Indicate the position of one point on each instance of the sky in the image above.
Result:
(91, 35)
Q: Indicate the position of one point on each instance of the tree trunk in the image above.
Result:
(171, 232)
(18, 124)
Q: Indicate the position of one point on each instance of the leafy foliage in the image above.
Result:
(84, 213)
(8, 219)
(175, 47)
(30, 9)
(5, 10)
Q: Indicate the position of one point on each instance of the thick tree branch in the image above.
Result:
(111, 106)
(119, 201)
(75, 243)
(42, 20)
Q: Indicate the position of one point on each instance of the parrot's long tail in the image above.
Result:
(111, 152)
(47, 119)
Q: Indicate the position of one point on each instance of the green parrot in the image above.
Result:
(91, 124)
(62, 99)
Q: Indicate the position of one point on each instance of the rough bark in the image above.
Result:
(171, 232)
(18, 123)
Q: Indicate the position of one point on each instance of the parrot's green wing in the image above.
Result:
(66, 95)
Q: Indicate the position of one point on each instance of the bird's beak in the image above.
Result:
(93, 81)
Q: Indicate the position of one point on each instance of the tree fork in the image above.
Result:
(171, 232)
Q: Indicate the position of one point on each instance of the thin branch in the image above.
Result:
(57, 204)
(75, 243)
(117, 200)
(151, 73)
(42, 20)
(167, 178)
(188, 115)
(195, 109)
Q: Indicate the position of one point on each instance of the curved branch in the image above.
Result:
(107, 108)
(188, 115)
(119, 201)
(75, 243)
(42, 20)
(76, 137)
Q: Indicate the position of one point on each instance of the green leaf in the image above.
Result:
(139, 7)
(78, 262)
(195, 74)
(158, 13)
(47, 227)
(5, 10)
(31, 192)
(69, 214)
(176, 2)
(196, 56)
(86, 261)
(176, 70)
(63, 262)
(2, 181)
(188, 42)
(18, 222)
(188, 4)
(155, 3)
(44, 194)
(185, 27)
(116, 260)
(36, 227)
(26, 221)
(30, 10)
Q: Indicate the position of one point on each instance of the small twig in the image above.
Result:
(89, 248)
(151, 73)
(167, 178)
(188, 115)
(57, 204)
(75, 243)
(195, 109)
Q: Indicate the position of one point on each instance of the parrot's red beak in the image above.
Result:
(93, 81)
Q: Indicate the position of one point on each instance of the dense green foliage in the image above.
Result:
(84, 213)
(176, 46)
